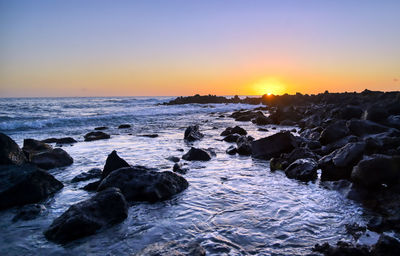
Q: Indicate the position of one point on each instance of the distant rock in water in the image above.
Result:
(25, 184)
(66, 140)
(149, 135)
(91, 136)
(10, 152)
(113, 162)
(196, 154)
(192, 133)
(85, 218)
(101, 128)
(237, 129)
(29, 212)
(91, 174)
(124, 126)
(139, 183)
(209, 99)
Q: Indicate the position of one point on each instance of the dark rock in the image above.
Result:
(66, 140)
(231, 138)
(231, 150)
(282, 162)
(174, 159)
(342, 249)
(91, 136)
(196, 154)
(25, 184)
(101, 128)
(302, 169)
(355, 230)
(327, 149)
(262, 120)
(124, 126)
(244, 145)
(92, 186)
(377, 170)
(91, 174)
(139, 183)
(113, 162)
(192, 133)
(85, 218)
(393, 121)
(386, 246)
(172, 249)
(149, 135)
(32, 146)
(350, 112)
(178, 168)
(375, 114)
(10, 152)
(29, 212)
(334, 132)
(273, 145)
(287, 123)
(365, 127)
(52, 159)
(263, 129)
(237, 129)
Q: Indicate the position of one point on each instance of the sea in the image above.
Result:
(234, 205)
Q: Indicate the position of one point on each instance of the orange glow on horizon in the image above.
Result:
(269, 86)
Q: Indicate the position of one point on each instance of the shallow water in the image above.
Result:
(234, 205)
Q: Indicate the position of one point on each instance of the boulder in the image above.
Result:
(235, 130)
(273, 145)
(10, 152)
(334, 132)
(25, 184)
(139, 183)
(65, 140)
(282, 162)
(386, 246)
(261, 120)
(342, 249)
(196, 154)
(154, 135)
(244, 145)
(231, 138)
(52, 159)
(232, 150)
(92, 186)
(124, 126)
(91, 136)
(85, 218)
(100, 128)
(91, 174)
(192, 133)
(375, 114)
(113, 162)
(179, 169)
(365, 127)
(29, 212)
(302, 169)
(33, 146)
(174, 159)
(376, 170)
(349, 112)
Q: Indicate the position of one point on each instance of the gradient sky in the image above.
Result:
(123, 48)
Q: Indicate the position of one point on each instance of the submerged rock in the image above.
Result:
(91, 174)
(124, 126)
(100, 128)
(52, 159)
(91, 136)
(85, 218)
(192, 133)
(179, 169)
(273, 146)
(172, 249)
(231, 150)
(302, 169)
(25, 184)
(29, 212)
(113, 162)
(174, 159)
(154, 135)
(10, 152)
(196, 154)
(139, 183)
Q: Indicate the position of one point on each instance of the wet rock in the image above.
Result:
(244, 145)
(124, 126)
(91, 174)
(375, 114)
(52, 159)
(263, 129)
(334, 132)
(174, 159)
(192, 133)
(91, 136)
(355, 230)
(377, 170)
(85, 218)
(342, 249)
(350, 112)
(365, 127)
(10, 152)
(92, 186)
(32, 147)
(261, 120)
(327, 149)
(231, 138)
(282, 162)
(149, 135)
(196, 154)
(235, 130)
(113, 162)
(232, 150)
(139, 183)
(173, 249)
(302, 169)
(25, 184)
(273, 146)
(65, 140)
(386, 246)
(179, 169)
(29, 212)
(287, 123)
(101, 128)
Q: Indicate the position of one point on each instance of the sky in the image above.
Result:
(181, 47)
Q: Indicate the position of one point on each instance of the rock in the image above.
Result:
(386, 246)
(52, 159)
(65, 140)
(139, 183)
(327, 149)
(113, 162)
(287, 123)
(149, 135)
(192, 133)
(261, 120)
(334, 132)
(282, 162)
(364, 127)
(375, 114)
(273, 145)
(29, 212)
(196, 154)
(342, 249)
(262, 129)
(178, 168)
(235, 130)
(92, 186)
(377, 170)
(350, 112)
(231, 138)
(302, 169)
(91, 136)
(10, 152)
(124, 126)
(85, 218)
(174, 159)
(91, 174)
(32, 147)
(244, 145)
(25, 184)
(232, 150)
(172, 249)
(393, 121)
(101, 128)
(355, 230)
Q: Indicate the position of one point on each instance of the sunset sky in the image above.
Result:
(128, 48)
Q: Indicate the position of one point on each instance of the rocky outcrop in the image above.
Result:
(273, 146)
(85, 218)
(25, 184)
(10, 152)
(91, 136)
(196, 154)
(139, 183)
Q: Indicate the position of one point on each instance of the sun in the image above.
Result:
(269, 86)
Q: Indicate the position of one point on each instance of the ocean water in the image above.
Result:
(234, 204)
